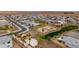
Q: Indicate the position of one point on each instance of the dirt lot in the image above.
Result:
(46, 44)
(58, 13)
(15, 45)
(46, 29)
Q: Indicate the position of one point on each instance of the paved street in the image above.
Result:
(21, 28)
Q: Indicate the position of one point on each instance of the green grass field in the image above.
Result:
(5, 27)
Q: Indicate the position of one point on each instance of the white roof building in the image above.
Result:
(31, 23)
(4, 22)
(33, 42)
(70, 41)
(5, 42)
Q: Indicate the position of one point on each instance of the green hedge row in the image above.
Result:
(62, 30)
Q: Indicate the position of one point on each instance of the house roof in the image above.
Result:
(4, 22)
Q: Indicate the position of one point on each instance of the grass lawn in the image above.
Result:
(6, 27)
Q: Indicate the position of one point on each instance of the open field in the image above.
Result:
(46, 29)
(51, 13)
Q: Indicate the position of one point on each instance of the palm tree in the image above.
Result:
(42, 29)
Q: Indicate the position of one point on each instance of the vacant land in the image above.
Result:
(46, 29)
(46, 44)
